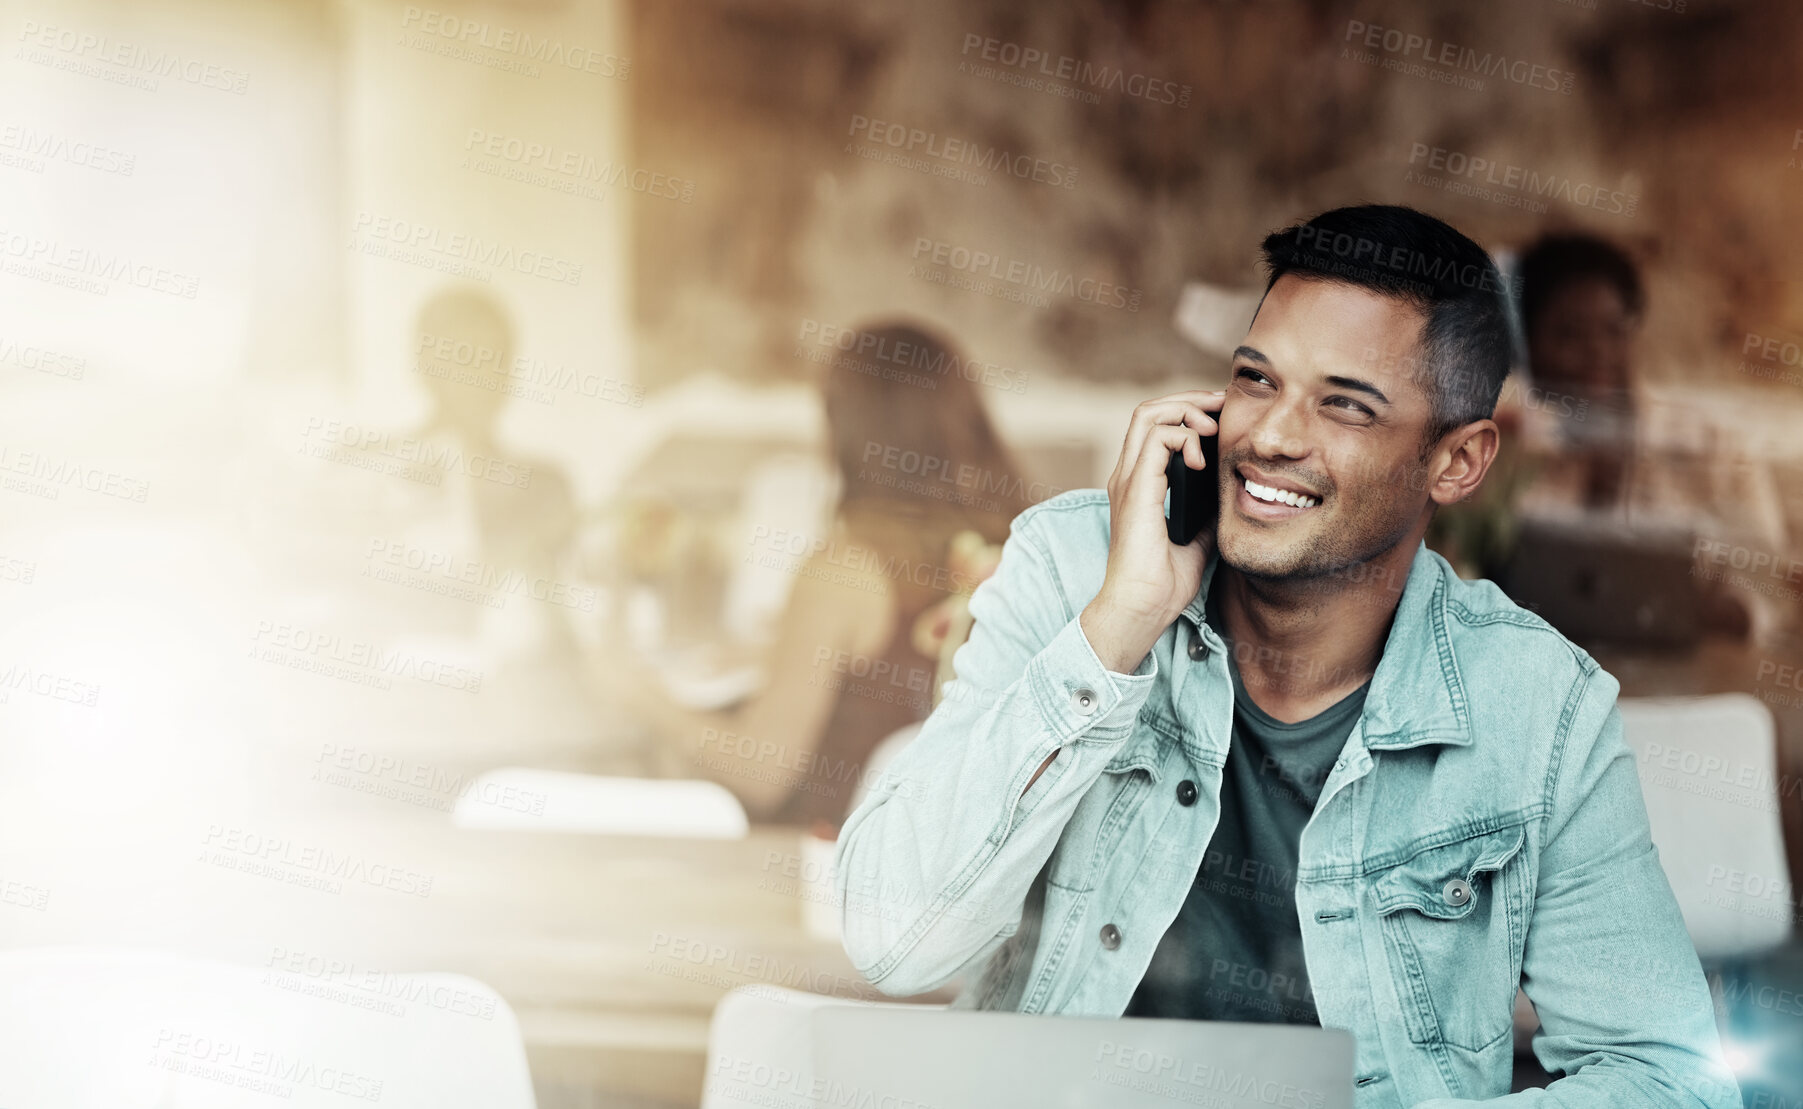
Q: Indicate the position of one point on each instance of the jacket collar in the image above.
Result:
(1417, 695)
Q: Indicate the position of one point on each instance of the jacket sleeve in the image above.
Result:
(1625, 1012)
(934, 865)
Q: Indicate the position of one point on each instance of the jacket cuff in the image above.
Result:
(1079, 696)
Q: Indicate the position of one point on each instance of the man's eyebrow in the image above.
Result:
(1358, 385)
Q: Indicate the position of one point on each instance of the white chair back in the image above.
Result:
(1709, 771)
(150, 1030)
(522, 799)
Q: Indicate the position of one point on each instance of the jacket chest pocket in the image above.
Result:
(1453, 917)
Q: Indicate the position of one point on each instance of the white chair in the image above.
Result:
(522, 799)
(760, 1048)
(134, 1029)
(1709, 771)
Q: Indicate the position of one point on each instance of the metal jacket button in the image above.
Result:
(1084, 701)
(1198, 648)
(1456, 892)
(1111, 936)
(1186, 792)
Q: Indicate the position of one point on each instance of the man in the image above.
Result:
(1167, 777)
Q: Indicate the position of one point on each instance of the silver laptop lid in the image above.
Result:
(905, 1058)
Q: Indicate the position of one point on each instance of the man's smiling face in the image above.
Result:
(1321, 432)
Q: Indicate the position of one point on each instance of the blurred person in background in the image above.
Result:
(461, 542)
(1582, 303)
(521, 507)
(1581, 309)
(1569, 418)
(927, 490)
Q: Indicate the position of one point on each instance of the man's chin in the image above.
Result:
(1263, 557)
(1322, 551)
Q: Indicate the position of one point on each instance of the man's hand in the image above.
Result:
(1149, 579)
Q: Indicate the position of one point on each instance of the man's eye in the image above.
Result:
(1249, 373)
(1351, 405)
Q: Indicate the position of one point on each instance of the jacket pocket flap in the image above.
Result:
(1442, 882)
(1142, 751)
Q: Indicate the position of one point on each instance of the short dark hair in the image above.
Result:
(1554, 261)
(1410, 255)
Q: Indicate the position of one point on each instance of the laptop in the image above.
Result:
(1602, 583)
(965, 1059)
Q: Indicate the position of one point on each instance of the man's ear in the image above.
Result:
(1463, 458)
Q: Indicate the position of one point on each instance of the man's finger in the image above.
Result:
(1166, 412)
(1161, 442)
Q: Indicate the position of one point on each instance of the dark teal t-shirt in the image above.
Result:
(1235, 950)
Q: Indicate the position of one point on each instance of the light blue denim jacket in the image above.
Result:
(1489, 753)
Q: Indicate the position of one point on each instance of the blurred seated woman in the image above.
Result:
(848, 667)
(1581, 308)
(1569, 416)
(1572, 431)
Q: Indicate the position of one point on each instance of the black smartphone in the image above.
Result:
(1195, 494)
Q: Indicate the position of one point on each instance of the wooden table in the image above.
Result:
(612, 951)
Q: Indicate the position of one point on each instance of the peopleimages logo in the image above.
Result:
(335, 440)
(1028, 277)
(43, 475)
(570, 171)
(1192, 1081)
(384, 991)
(354, 660)
(44, 683)
(1042, 71)
(29, 356)
(86, 268)
(133, 63)
(522, 48)
(1361, 254)
(233, 848)
(381, 235)
(934, 360)
(487, 583)
(947, 471)
(255, 1068)
(1475, 170)
(961, 152)
(1761, 355)
(34, 146)
(1413, 54)
(866, 563)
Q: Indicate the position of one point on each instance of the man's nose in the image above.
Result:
(1278, 433)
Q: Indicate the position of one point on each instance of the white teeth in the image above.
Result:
(1279, 496)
